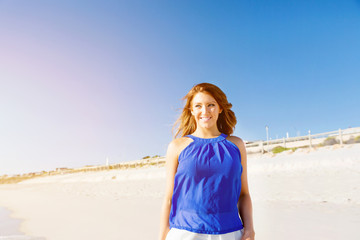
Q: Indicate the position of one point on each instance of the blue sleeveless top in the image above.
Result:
(207, 187)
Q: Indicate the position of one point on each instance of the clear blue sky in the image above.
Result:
(86, 80)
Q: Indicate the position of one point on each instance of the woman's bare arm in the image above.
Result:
(174, 148)
(245, 203)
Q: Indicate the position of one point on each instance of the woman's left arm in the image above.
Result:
(244, 203)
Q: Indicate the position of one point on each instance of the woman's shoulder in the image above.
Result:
(178, 144)
(237, 141)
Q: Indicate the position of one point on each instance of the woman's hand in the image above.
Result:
(248, 234)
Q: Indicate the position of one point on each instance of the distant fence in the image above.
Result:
(124, 165)
(309, 140)
(341, 136)
(261, 146)
(155, 161)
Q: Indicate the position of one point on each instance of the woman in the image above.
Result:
(207, 194)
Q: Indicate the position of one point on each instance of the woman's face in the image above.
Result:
(205, 110)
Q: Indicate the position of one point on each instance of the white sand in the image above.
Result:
(302, 195)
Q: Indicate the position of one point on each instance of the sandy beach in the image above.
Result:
(8, 226)
(306, 194)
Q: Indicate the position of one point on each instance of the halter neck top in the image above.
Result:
(207, 187)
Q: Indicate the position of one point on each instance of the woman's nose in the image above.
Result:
(205, 109)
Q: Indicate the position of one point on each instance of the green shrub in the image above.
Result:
(351, 140)
(330, 141)
(279, 149)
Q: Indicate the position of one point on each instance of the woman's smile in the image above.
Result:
(205, 119)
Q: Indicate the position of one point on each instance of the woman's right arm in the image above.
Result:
(171, 167)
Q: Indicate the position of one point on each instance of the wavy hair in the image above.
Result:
(186, 123)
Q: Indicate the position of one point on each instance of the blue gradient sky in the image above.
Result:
(80, 82)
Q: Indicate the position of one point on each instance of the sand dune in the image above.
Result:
(308, 194)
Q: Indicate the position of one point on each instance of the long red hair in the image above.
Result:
(186, 124)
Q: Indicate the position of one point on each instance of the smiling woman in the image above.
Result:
(207, 195)
(205, 110)
(206, 94)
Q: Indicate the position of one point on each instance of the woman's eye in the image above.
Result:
(211, 105)
(198, 106)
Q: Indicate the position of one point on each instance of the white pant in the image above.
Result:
(181, 234)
